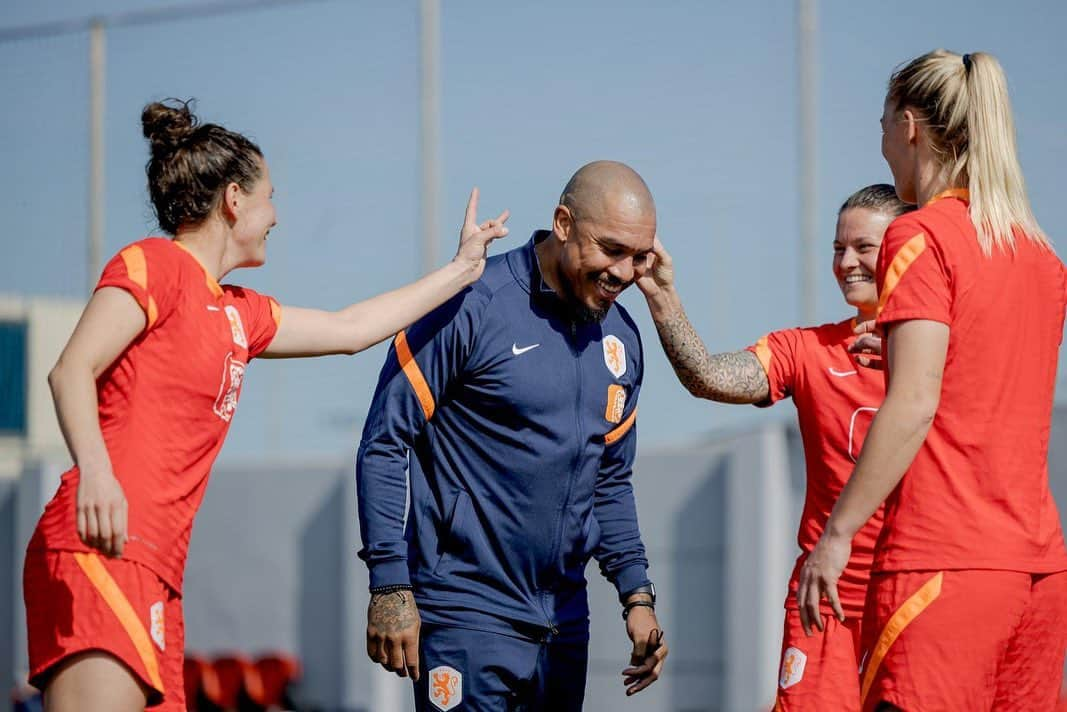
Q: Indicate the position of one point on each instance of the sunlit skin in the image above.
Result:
(918, 174)
(601, 256)
(255, 218)
(856, 243)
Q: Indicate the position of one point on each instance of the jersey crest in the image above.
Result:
(614, 355)
(233, 372)
(237, 328)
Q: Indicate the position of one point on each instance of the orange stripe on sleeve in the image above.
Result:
(623, 428)
(137, 269)
(117, 601)
(763, 353)
(900, 620)
(414, 374)
(901, 261)
(275, 312)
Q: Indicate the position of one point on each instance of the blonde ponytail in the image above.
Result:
(971, 130)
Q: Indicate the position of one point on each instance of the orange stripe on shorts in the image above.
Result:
(117, 601)
(414, 374)
(900, 620)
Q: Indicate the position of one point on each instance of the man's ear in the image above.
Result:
(563, 223)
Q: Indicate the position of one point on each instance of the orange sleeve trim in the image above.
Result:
(275, 312)
(137, 270)
(414, 374)
(901, 261)
(120, 605)
(900, 620)
(624, 428)
(763, 353)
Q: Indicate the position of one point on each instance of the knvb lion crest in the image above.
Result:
(614, 355)
(233, 372)
(793, 663)
(155, 616)
(237, 328)
(446, 687)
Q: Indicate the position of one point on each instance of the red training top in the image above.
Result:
(166, 403)
(836, 400)
(977, 495)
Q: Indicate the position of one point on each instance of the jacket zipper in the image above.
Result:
(574, 464)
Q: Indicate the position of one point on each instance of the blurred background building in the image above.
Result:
(751, 123)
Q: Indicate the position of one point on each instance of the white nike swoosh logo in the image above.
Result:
(518, 352)
(840, 374)
(211, 308)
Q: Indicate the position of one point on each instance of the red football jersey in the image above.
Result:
(166, 403)
(836, 400)
(977, 495)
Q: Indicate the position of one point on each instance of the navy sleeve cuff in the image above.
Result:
(631, 577)
(390, 573)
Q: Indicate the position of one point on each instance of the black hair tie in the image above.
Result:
(967, 62)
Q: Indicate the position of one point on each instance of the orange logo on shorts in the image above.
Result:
(616, 403)
(446, 687)
(793, 662)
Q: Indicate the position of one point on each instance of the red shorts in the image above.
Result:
(820, 672)
(964, 640)
(77, 602)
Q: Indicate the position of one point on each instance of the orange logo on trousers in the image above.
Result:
(446, 687)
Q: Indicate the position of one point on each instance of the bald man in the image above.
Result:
(508, 414)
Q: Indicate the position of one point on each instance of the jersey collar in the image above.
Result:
(958, 193)
(212, 285)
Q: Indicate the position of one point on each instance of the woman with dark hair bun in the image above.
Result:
(967, 608)
(145, 390)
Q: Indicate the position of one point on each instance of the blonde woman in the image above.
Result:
(967, 607)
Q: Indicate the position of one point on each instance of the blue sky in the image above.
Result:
(700, 97)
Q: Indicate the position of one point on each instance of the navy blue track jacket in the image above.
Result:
(520, 426)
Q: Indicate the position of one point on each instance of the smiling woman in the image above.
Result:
(145, 391)
(861, 223)
(834, 398)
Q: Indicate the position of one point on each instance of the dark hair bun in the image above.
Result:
(167, 125)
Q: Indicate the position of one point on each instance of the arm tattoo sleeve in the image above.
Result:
(735, 377)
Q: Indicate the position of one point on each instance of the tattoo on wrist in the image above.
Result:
(735, 377)
(392, 611)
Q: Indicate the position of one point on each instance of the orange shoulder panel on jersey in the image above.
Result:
(623, 428)
(414, 374)
(137, 268)
(904, 258)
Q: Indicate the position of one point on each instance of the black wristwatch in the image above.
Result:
(648, 588)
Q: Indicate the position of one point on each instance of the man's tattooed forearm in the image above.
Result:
(734, 377)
